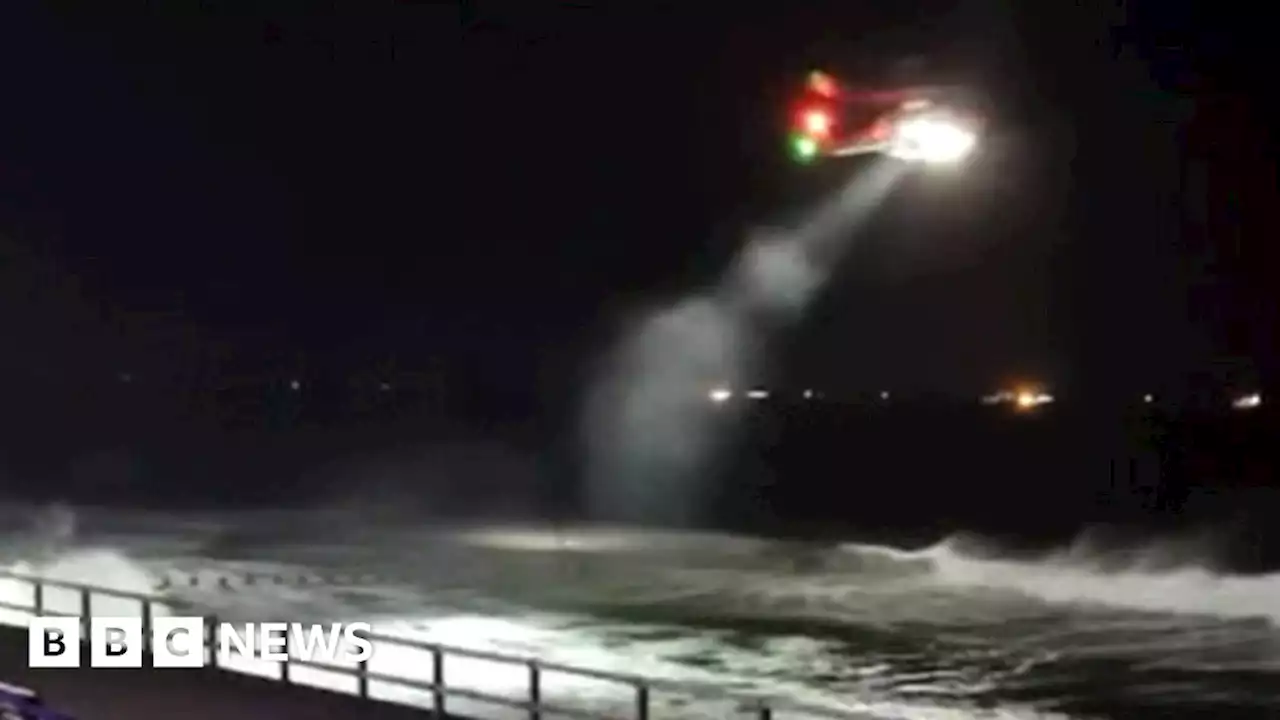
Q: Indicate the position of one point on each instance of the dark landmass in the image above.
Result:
(900, 471)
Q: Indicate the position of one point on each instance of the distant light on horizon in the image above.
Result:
(1028, 400)
(1022, 399)
(720, 395)
(1247, 402)
(758, 394)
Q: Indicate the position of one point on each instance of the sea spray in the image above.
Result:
(650, 429)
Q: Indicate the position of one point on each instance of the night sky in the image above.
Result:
(489, 190)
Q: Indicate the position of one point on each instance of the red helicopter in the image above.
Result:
(924, 124)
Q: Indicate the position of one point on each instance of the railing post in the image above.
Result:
(642, 702)
(85, 613)
(284, 666)
(535, 691)
(147, 613)
(211, 638)
(37, 598)
(437, 680)
(362, 679)
(765, 712)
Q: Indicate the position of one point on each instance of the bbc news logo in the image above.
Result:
(182, 642)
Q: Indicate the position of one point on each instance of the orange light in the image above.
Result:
(822, 84)
(1029, 399)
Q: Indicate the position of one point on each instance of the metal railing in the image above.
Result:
(534, 704)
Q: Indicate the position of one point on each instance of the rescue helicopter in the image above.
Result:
(920, 124)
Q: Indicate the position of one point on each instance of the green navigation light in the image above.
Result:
(804, 148)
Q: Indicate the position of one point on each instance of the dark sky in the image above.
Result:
(496, 185)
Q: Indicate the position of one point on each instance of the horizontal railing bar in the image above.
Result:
(622, 678)
(447, 690)
(511, 659)
(77, 587)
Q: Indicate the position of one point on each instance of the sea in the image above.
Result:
(954, 629)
